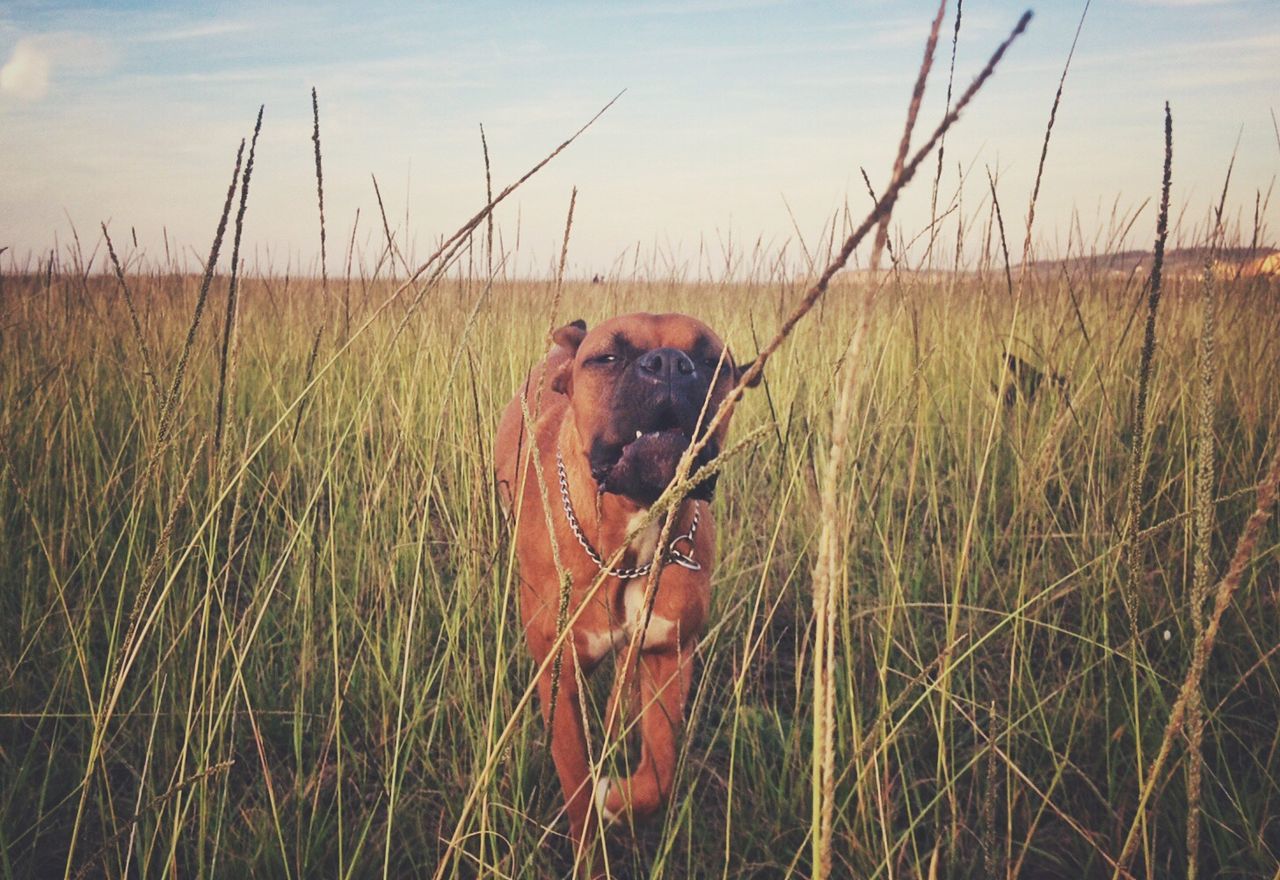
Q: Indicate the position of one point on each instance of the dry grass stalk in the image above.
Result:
(1042, 795)
(990, 857)
(829, 565)
(564, 253)
(566, 582)
(140, 813)
(488, 197)
(171, 399)
(450, 250)
(147, 369)
(883, 207)
(942, 144)
(324, 263)
(1131, 582)
(1044, 147)
(888, 244)
(346, 286)
(315, 140)
(1223, 594)
(826, 578)
(913, 110)
(311, 368)
(1004, 252)
(553, 320)
(227, 359)
(1137, 456)
(467, 228)
(1202, 571)
(392, 252)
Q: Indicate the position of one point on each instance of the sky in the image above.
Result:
(744, 127)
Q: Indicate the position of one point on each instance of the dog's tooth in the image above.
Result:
(637, 435)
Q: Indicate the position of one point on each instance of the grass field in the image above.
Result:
(290, 649)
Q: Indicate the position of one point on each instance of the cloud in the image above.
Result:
(25, 75)
(30, 69)
(197, 31)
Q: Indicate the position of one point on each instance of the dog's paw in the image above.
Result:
(604, 788)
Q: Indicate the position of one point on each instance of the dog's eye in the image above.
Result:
(603, 359)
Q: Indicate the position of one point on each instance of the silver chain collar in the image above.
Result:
(673, 555)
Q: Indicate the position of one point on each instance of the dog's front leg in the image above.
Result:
(664, 678)
(563, 717)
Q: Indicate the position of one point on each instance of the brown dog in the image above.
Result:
(618, 407)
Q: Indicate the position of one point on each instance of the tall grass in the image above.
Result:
(309, 686)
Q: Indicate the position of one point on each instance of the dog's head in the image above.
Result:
(641, 387)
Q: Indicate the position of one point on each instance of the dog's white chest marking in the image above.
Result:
(660, 631)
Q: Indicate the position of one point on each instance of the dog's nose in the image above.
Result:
(666, 365)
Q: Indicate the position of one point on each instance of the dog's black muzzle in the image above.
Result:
(655, 411)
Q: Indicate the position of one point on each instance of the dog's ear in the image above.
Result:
(741, 371)
(570, 336)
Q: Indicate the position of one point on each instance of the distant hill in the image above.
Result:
(1255, 261)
